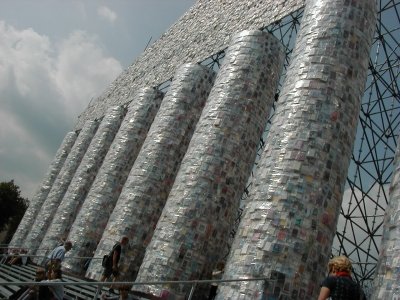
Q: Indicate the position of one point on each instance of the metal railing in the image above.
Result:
(99, 285)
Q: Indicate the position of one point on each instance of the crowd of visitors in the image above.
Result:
(338, 285)
(50, 272)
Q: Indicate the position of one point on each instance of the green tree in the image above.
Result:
(12, 208)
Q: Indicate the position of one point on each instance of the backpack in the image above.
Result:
(107, 259)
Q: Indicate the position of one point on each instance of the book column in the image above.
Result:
(37, 201)
(89, 224)
(192, 233)
(153, 173)
(288, 226)
(387, 275)
(60, 186)
(83, 178)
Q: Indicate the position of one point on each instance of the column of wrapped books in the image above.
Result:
(288, 226)
(80, 184)
(111, 177)
(387, 276)
(192, 233)
(40, 196)
(60, 186)
(153, 173)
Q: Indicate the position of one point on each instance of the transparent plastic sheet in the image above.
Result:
(192, 233)
(152, 175)
(40, 196)
(83, 178)
(111, 177)
(387, 276)
(288, 226)
(60, 186)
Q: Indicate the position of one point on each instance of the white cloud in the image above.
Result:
(23, 53)
(106, 13)
(82, 70)
(19, 151)
(43, 87)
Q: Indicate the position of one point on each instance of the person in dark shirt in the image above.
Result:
(112, 268)
(339, 285)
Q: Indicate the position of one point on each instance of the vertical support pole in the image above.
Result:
(192, 291)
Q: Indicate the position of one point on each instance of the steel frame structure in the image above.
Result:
(360, 223)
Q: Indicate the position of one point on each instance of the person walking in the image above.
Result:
(111, 266)
(54, 259)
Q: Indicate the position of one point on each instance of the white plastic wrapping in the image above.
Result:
(152, 175)
(288, 226)
(60, 186)
(192, 233)
(387, 276)
(83, 178)
(37, 201)
(111, 177)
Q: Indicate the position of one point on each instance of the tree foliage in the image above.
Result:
(12, 207)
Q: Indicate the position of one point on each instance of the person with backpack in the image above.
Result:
(339, 285)
(111, 262)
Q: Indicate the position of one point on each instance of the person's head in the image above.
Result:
(124, 241)
(68, 245)
(55, 274)
(40, 274)
(339, 264)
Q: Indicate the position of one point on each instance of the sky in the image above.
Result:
(55, 56)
